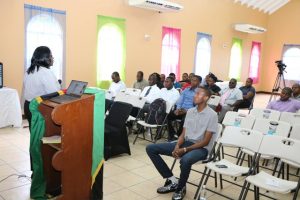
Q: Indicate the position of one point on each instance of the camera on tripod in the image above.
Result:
(281, 66)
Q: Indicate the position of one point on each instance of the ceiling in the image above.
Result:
(266, 6)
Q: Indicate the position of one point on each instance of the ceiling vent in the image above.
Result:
(156, 5)
(248, 28)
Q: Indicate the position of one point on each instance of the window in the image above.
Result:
(254, 61)
(291, 57)
(170, 56)
(45, 27)
(111, 49)
(235, 59)
(203, 54)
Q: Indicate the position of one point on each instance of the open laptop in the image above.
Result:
(74, 91)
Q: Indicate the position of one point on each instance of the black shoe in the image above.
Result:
(168, 187)
(179, 194)
(171, 139)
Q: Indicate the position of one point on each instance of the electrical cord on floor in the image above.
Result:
(18, 175)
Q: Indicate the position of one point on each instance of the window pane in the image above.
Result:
(44, 30)
(236, 59)
(203, 54)
(291, 58)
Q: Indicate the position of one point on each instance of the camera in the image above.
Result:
(281, 66)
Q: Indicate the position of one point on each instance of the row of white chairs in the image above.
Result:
(289, 123)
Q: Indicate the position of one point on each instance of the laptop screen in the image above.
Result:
(76, 88)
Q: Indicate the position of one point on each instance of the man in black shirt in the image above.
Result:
(248, 95)
(211, 84)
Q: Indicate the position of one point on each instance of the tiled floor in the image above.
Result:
(125, 177)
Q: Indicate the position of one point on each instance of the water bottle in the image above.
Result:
(272, 128)
(203, 195)
(237, 122)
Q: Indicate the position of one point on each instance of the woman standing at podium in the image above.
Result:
(39, 79)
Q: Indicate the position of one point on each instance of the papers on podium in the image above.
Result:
(55, 139)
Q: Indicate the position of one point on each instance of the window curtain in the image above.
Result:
(255, 61)
(203, 54)
(46, 27)
(111, 49)
(171, 46)
(236, 59)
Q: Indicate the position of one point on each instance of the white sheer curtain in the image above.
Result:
(46, 27)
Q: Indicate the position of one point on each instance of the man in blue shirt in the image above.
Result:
(177, 85)
(184, 103)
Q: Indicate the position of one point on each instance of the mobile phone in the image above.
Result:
(221, 166)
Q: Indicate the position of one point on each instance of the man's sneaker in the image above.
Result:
(168, 187)
(179, 194)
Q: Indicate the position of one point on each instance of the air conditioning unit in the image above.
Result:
(248, 28)
(157, 5)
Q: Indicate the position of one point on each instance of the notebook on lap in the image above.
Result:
(74, 91)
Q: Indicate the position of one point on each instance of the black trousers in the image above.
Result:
(172, 117)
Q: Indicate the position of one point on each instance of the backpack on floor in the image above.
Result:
(157, 112)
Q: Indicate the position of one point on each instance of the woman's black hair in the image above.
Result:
(41, 57)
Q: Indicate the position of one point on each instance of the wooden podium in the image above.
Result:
(67, 166)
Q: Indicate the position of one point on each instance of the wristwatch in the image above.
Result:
(184, 149)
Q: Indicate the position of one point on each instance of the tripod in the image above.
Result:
(276, 87)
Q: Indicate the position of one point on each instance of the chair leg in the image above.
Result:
(298, 170)
(137, 135)
(275, 168)
(173, 164)
(287, 172)
(216, 180)
(296, 191)
(221, 181)
(206, 179)
(200, 183)
(243, 190)
(246, 192)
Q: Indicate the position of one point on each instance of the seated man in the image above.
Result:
(185, 78)
(115, 87)
(285, 103)
(177, 85)
(184, 103)
(296, 91)
(169, 93)
(211, 84)
(248, 95)
(188, 82)
(140, 83)
(162, 78)
(192, 146)
(229, 98)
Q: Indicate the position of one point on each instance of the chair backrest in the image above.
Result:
(295, 132)
(215, 137)
(238, 119)
(272, 127)
(118, 114)
(169, 106)
(214, 100)
(265, 113)
(281, 147)
(132, 91)
(241, 137)
(292, 118)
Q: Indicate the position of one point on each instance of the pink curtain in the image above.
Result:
(170, 57)
(255, 61)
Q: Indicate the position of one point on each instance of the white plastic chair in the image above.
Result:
(238, 138)
(132, 91)
(151, 126)
(238, 119)
(265, 113)
(295, 132)
(292, 118)
(214, 100)
(280, 147)
(273, 127)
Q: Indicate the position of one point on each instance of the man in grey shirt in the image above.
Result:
(193, 145)
(140, 83)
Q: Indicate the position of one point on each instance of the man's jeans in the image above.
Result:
(186, 161)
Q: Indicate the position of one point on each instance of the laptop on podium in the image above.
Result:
(74, 91)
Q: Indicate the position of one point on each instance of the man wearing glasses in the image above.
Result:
(230, 97)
